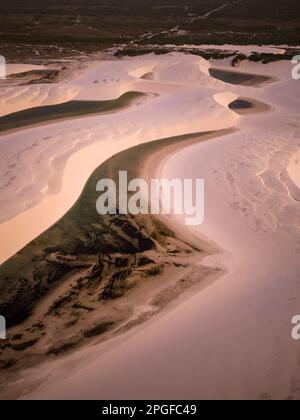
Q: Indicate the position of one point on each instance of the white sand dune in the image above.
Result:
(233, 339)
(294, 168)
(33, 193)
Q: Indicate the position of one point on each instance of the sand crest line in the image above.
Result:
(23, 232)
(177, 95)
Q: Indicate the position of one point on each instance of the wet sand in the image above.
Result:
(67, 110)
(230, 339)
(156, 267)
(249, 106)
(240, 78)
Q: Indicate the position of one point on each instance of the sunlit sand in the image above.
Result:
(204, 345)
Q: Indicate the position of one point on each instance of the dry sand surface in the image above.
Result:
(39, 176)
(233, 339)
(294, 169)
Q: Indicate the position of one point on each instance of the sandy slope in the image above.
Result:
(33, 194)
(232, 340)
(294, 169)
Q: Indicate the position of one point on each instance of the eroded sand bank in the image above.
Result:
(40, 179)
(232, 340)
